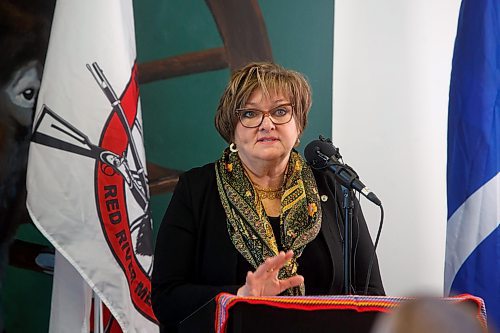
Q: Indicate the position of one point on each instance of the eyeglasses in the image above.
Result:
(252, 118)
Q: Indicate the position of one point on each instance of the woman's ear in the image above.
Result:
(297, 142)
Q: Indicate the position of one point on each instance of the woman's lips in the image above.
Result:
(267, 139)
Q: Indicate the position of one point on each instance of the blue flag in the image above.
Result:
(473, 181)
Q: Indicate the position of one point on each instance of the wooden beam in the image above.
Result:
(243, 31)
(189, 63)
(161, 179)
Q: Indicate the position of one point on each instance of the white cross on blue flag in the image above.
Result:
(473, 181)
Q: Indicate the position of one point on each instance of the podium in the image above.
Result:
(228, 313)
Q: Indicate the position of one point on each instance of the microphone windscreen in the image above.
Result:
(311, 153)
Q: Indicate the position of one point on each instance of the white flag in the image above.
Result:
(87, 183)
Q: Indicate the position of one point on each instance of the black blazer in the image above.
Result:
(195, 258)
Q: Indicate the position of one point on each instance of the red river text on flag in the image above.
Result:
(87, 183)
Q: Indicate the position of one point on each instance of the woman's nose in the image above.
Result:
(267, 123)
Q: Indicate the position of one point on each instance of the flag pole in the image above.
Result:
(98, 324)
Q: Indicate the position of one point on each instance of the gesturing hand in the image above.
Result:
(264, 281)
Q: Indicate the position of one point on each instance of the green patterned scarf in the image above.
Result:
(247, 221)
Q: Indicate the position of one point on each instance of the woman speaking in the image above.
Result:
(259, 221)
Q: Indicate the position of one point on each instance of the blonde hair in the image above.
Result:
(270, 78)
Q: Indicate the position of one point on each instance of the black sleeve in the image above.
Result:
(363, 248)
(176, 293)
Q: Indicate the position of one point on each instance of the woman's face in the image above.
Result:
(267, 142)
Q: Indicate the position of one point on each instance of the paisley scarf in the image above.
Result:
(247, 222)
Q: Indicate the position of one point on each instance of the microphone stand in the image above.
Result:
(348, 206)
(322, 154)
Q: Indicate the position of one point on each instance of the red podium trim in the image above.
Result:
(226, 301)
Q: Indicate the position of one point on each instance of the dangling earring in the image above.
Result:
(297, 143)
(232, 148)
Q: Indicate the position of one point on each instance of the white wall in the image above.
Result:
(392, 63)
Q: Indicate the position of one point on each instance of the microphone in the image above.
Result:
(322, 154)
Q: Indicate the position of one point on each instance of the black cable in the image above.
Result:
(355, 250)
(370, 266)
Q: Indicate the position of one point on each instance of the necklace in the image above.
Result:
(268, 193)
